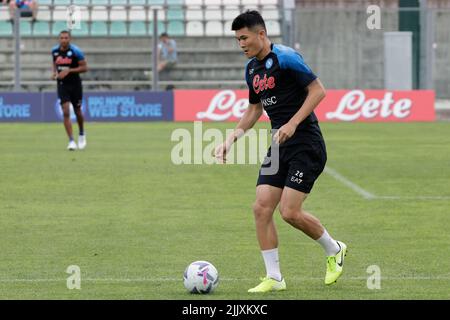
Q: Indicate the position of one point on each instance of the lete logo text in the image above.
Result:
(338, 105)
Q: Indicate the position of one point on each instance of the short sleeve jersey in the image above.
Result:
(67, 60)
(279, 82)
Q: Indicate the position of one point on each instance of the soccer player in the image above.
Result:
(68, 63)
(280, 82)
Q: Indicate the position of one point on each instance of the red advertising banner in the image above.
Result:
(377, 106)
(339, 105)
(210, 105)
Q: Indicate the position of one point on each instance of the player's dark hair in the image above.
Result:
(164, 34)
(66, 31)
(249, 19)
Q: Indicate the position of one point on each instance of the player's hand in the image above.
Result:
(284, 133)
(54, 76)
(63, 74)
(220, 153)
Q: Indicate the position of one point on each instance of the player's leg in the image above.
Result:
(64, 97)
(291, 208)
(68, 125)
(82, 142)
(77, 98)
(267, 199)
(80, 118)
(268, 194)
(66, 118)
(305, 165)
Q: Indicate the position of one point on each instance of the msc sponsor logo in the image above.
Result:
(269, 101)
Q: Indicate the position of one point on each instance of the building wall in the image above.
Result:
(335, 41)
(345, 3)
(356, 3)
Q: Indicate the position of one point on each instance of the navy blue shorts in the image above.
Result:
(299, 166)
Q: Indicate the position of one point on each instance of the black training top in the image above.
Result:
(67, 59)
(279, 82)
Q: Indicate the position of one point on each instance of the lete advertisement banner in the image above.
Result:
(211, 105)
(377, 106)
(339, 105)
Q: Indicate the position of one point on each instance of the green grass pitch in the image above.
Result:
(132, 220)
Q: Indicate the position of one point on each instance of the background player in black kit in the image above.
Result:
(68, 63)
(280, 82)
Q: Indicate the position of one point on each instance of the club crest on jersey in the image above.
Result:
(265, 83)
(69, 54)
(269, 63)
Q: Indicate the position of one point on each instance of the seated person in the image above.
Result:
(167, 52)
(26, 5)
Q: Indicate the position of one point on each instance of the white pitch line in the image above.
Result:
(414, 198)
(364, 193)
(118, 280)
(371, 196)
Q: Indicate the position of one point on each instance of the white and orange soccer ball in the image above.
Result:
(201, 277)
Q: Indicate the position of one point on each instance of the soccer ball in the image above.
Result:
(200, 277)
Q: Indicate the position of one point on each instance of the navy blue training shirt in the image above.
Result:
(279, 82)
(67, 59)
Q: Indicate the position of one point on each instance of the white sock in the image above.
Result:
(272, 263)
(328, 243)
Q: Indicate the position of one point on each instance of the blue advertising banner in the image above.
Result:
(116, 106)
(23, 107)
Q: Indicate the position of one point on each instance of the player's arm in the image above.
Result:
(55, 72)
(248, 120)
(82, 67)
(316, 93)
(251, 115)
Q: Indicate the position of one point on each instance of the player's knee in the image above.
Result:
(291, 214)
(66, 113)
(262, 210)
